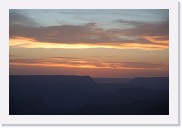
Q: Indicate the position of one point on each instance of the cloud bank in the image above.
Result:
(153, 35)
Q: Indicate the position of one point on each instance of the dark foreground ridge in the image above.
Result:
(81, 95)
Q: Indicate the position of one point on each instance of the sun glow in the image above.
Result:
(31, 43)
(156, 40)
(83, 66)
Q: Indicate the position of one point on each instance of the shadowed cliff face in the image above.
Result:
(81, 95)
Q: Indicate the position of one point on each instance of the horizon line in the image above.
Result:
(98, 77)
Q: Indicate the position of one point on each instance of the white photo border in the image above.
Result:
(171, 119)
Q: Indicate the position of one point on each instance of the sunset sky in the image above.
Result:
(107, 43)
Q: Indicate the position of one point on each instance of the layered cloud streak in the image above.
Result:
(139, 35)
(69, 62)
(98, 43)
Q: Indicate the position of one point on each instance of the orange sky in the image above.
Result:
(119, 46)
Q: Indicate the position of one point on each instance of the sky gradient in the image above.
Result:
(100, 43)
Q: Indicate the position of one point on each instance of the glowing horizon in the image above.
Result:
(119, 43)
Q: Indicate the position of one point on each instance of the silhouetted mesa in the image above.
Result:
(81, 95)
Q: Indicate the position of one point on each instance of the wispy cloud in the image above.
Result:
(90, 35)
(69, 62)
(92, 42)
(160, 28)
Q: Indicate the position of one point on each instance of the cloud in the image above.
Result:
(16, 18)
(68, 62)
(59, 34)
(144, 65)
(91, 34)
(128, 22)
(63, 57)
(160, 28)
(102, 56)
(10, 55)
